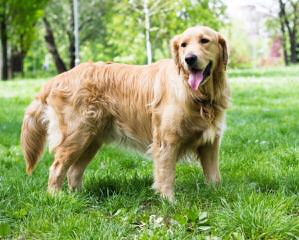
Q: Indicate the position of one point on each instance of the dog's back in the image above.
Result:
(110, 101)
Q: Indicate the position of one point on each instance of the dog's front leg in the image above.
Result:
(165, 158)
(208, 155)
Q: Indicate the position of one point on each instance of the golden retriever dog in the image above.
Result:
(169, 108)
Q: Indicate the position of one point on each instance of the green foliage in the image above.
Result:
(113, 30)
(240, 48)
(290, 71)
(35, 60)
(258, 198)
(286, 20)
(126, 35)
(21, 18)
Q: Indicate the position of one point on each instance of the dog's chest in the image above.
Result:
(209, 134)
(200, 131)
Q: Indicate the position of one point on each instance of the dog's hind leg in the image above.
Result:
(76, 170)
(208, 155)
(66, 154)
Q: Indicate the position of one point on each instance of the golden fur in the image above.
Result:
(150, 107)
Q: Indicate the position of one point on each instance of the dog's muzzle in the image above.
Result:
(199, 77)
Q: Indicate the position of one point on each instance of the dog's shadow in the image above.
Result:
(103, 188)
(136, 187)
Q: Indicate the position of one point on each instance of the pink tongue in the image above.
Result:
(195, 79)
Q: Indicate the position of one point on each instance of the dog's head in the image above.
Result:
(198, 52)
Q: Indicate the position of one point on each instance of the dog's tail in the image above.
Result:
(33, 135)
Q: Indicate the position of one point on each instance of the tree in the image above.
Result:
(57, 22)
(52, 47)
(132, 39)
(123, 31)
(289, 22)
(60, 22)
(17, 28)
(147, 25)
(3, 32)
(147, 9)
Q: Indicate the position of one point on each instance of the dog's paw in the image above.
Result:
(169, 197)
(52, 191)
(213, 183)
(165, 193)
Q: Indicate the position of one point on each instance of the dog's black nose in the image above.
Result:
(190, 59)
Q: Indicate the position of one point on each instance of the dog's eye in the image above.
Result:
(204, 40)
(183, 44)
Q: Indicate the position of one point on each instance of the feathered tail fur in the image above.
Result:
(33, 135)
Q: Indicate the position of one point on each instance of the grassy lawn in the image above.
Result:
(258, 199)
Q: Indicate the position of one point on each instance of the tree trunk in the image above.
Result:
(17, 62)
(293, 47)
(3, 31)
(50, 40)
(72, 55)
(291, 32)
(147, 31)
(284, 41)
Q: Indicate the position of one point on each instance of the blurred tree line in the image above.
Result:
(131, 31)
(285, 23)
(118, 30)
(289, 26)
(18, 29)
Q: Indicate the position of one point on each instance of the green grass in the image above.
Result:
(265, 72)
(258, 199)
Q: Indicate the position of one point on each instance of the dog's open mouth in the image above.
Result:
(197, 77)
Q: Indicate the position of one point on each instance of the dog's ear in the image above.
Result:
(224, 51)
(174, 45)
